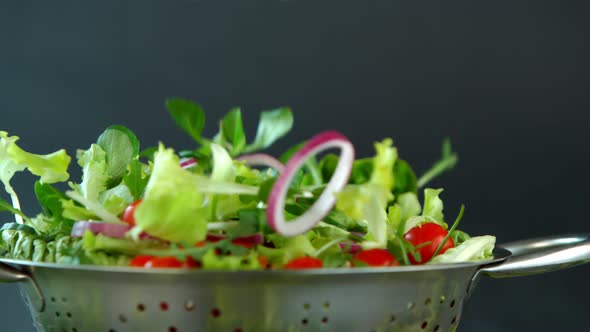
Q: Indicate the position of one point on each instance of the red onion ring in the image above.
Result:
(276, 203)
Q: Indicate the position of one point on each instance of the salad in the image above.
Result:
(224, 205)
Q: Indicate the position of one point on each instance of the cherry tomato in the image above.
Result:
(191, 263)
(161, 262)
(430, 233)
(304, 263)
(164, 262)
(263, 261)
(140, 261)
(129, 213)
(376, 257)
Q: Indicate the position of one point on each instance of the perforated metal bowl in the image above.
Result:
(412, 298)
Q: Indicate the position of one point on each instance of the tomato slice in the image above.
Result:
(376, 257)
(128, 215)
(304, 263)
(428, 237)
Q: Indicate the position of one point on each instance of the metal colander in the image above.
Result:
(411, 298)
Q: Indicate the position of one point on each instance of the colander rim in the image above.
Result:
(500, 254)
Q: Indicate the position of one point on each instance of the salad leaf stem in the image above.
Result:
(96, 208)
(455, 224)
(221, 225)
(328, 245)
(448, 161)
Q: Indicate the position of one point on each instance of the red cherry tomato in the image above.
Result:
(263, 261)
(160, 262)
(191, 263)
(430, 233)
(140, 261)
(243, 243)
(304, 263)
(376, 257)
(129, 213)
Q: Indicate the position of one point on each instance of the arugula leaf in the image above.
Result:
(5, 206)
(272, 126)
(284, 158)
(50, 199)
(148, 153)
(135, 179)
(188, 115)
(405, 178)
(121, 146)
(447, 162)
(232, 131)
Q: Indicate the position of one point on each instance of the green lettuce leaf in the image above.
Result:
(172, 207)
(368, 202)
(116, 199)
(50, 168)
(474, 249)
(433, 205)
(94, 172)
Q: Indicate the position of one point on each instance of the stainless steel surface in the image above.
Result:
(542, 255)
(413, 298)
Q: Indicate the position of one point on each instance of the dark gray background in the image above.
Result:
(508, 81)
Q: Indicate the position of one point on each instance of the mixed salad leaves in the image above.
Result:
(225, 205)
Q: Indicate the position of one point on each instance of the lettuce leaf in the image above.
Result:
(94, 172)
(474, 249)
(368, 202)
(51, 168)
(173, 208)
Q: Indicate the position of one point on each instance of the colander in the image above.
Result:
(409, 298)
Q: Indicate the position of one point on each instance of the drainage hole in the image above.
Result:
(304, 321)
(238, 330)
(140, 307)
(172, 329)
(216, 312)
(454, 320)
(325, 320)
(436, 328)
(57, 314)
(189, 305)
(69, 314)
(452, 303)
(122, 318)
(428, 301)
(164, 306)
(424, 325)
(392, 319)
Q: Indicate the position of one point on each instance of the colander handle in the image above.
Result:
(9, 273)
(542, 255)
